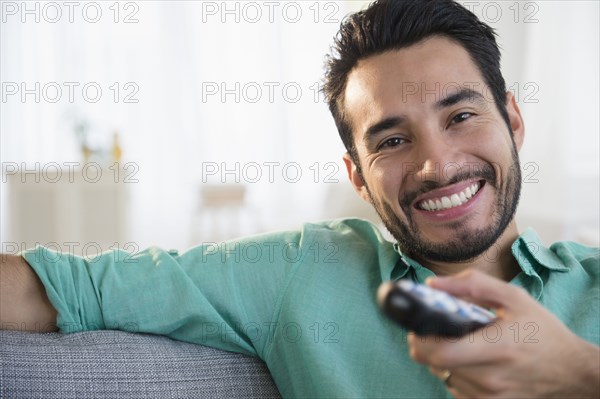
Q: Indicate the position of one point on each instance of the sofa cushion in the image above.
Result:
(115, 364)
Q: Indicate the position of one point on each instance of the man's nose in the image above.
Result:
(437, 159)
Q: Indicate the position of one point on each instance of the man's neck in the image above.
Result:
(498, 261)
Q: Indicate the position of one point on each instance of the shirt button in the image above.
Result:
(173, 252)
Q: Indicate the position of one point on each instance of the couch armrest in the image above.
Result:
(114, 364)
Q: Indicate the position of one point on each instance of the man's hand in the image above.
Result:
(526, 353)
(24, 304)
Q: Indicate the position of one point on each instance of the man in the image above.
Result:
(442, 171)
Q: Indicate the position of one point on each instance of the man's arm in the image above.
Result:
(24, 304)
(205, 295)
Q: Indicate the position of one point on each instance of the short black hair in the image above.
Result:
(394, 24)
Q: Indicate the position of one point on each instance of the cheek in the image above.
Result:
(489, 133)
(490, 143)
(387, 179)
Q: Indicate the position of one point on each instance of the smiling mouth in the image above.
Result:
(452, 201)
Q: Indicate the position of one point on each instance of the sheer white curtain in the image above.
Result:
(551, 61)
(229, 84)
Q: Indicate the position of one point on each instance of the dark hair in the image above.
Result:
(394, 24)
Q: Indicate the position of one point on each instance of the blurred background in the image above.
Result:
(144, 123)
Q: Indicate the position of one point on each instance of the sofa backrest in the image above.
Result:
(117, 364)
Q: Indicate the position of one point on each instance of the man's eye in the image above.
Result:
(392, 142)
(463, 116)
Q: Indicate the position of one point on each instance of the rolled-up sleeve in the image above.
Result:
(224, 295)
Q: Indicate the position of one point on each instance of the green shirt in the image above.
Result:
(303, 301)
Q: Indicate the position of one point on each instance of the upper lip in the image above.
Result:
(445, 191)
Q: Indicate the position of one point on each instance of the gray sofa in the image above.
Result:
(116, 364)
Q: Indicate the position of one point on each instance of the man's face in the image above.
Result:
(438, 161)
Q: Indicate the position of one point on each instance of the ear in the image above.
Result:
(515, 119)
(355, 179)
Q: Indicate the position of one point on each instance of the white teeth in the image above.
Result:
(446, 203)
(475, 188)
(456, 199)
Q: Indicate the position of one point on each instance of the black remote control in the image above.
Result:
(428, 311)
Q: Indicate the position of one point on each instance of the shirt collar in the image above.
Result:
(530, 252)
(531, 255)
(407, 264)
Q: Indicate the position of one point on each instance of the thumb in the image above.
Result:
(480, 288)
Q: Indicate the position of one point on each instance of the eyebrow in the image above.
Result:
(464, 94)
(383, 125)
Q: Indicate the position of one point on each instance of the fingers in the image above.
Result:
(471, 382)
(495, 342)
(478, 347)
(480, 288)
(489, 343)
